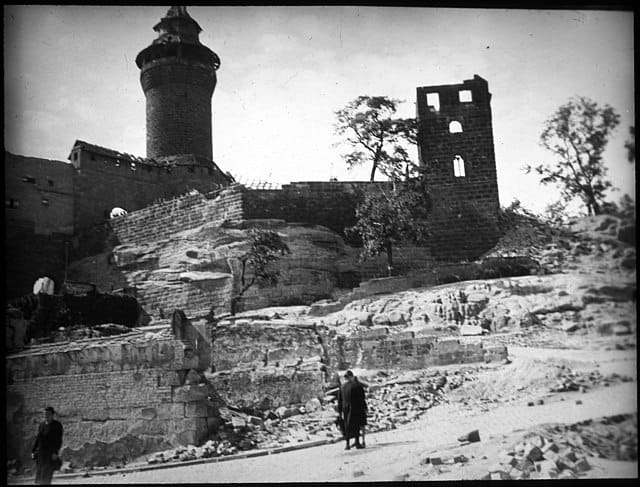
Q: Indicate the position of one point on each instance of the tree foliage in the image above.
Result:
(369, 128)
(387, 217)
(577, 134)
(265, 248)
(630, 145)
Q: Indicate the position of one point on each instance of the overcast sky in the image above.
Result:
(70, 74)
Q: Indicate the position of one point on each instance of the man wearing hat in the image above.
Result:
(353, 408)
(46, 447)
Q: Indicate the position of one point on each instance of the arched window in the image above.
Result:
(458, 166)
(455, 127)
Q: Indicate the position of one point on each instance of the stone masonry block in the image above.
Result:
(197, 409)
(191, 393)
(169, 378)
(170, 410)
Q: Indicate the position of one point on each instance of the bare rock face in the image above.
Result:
(198, 270)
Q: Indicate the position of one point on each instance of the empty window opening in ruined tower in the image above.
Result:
(455, 127)
(458, 167)
(465, 96)
(433, 100)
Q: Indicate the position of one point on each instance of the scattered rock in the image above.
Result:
(570, 326)
(471, 437)
(534, 453)
(312, 405)
(621, 329)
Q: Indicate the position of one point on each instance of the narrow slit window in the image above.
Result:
(458, 166)
(433, 100)
(465, 96)
(455, 127)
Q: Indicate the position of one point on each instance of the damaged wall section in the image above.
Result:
(117, 398)
(285, 363)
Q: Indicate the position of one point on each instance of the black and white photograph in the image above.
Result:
(319, 243)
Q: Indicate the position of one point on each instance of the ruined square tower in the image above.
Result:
(455, 144)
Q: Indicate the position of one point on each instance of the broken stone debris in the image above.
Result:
(391, 400)
(471, 437)
(562, 451)
(569, 380)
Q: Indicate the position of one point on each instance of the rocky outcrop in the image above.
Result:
(197, 270)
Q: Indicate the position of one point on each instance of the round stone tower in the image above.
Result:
(178, 76)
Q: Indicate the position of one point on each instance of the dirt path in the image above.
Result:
(392, 454)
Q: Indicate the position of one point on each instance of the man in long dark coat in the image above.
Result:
(46, 447)
(353, 409)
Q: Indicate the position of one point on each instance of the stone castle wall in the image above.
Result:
(160, 220)
(104, 179)
(117, 398)
(182, 253)
(54, 201)
(330, 204)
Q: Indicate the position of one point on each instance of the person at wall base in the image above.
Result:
(353, 408)
(46, 447)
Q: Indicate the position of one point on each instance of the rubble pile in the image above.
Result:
(525, 235)
(397, 401)
(563, 451)
(570, 380)
(558, 248)
(391, 401)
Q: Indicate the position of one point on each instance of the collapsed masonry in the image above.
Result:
(124, 396)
